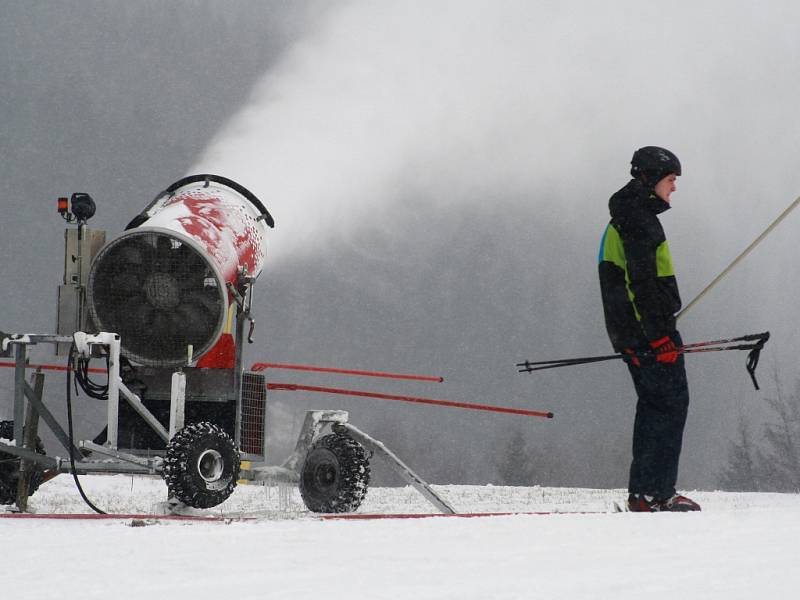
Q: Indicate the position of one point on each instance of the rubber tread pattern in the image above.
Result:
(184, 481)
(352, 469)
(9, 468)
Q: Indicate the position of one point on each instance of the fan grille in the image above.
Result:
(160, 294)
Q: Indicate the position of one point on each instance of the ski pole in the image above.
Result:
(752, 358)
(565, 362)
(758, 340)
(753, 337)
(528, 366)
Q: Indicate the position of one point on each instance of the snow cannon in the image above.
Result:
(169, 283)
(173, 294)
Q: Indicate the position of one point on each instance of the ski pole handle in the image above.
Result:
(760, 337)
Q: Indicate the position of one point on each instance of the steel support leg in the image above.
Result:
(399, 467)
(30, 433)
(21, 354)
(48, 417)
(312, 426)
(141, 409)
(177, 404)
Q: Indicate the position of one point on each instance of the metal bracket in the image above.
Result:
(312, 426)
(152, 464)
(177, 403)
(268, 474)
(43, 460)
(399, 466)
(5, 348)
(141, 409)
(52, 423)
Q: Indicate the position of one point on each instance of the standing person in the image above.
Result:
(640, 300)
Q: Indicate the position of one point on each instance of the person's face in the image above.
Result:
(665, 187)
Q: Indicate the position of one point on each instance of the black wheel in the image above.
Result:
(201, 465)
(335, 475)
(9, 468)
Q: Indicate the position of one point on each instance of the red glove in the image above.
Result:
(634, 360)
(665, 349)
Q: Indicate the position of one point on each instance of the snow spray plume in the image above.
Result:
(390, 121)
(459, 102)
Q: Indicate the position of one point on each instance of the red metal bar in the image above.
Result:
(379, 516)
(50, 367)
(449, 403)
(254, 518)
(325, 390)
(264, 367)
(106, 517)
(261, 366)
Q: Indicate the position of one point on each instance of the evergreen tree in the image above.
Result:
(780, 458)
(516, 463)
(741, 474)
(770, 463)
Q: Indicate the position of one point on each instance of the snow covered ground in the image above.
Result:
(741, 546)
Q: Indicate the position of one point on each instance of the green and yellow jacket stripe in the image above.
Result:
(637, 280)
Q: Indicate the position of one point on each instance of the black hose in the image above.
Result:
(70, 366)
(92, 389)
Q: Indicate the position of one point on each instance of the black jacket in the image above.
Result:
(637, 281)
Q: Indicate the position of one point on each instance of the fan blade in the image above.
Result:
(196, 322)
(193, 270)
(163, 262)
(125, 283)
(139, 319)
(203, 310)
(134, 251)
(179, 329)
(208, 299)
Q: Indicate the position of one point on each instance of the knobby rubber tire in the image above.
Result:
(187, 473)
(9, 468)
(335, 475)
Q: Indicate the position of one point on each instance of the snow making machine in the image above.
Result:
(168, 302)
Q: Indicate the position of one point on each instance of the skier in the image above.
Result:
(640, 299)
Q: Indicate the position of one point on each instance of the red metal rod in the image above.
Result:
(449, 403)
(379, 516)
(50, 367)
(261, 366)
(265, 366)
(103, 517)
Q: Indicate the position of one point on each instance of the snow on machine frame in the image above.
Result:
(171, 298)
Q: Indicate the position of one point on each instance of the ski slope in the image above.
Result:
(741, 546)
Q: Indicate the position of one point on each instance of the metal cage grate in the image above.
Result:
(160, 294)
(254, 413)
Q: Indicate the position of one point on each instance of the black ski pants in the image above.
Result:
(658, 428)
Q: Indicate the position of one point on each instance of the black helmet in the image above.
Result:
(651, 164)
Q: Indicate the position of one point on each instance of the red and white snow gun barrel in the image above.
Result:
(167, 283)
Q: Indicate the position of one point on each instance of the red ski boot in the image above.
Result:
(676, 503)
